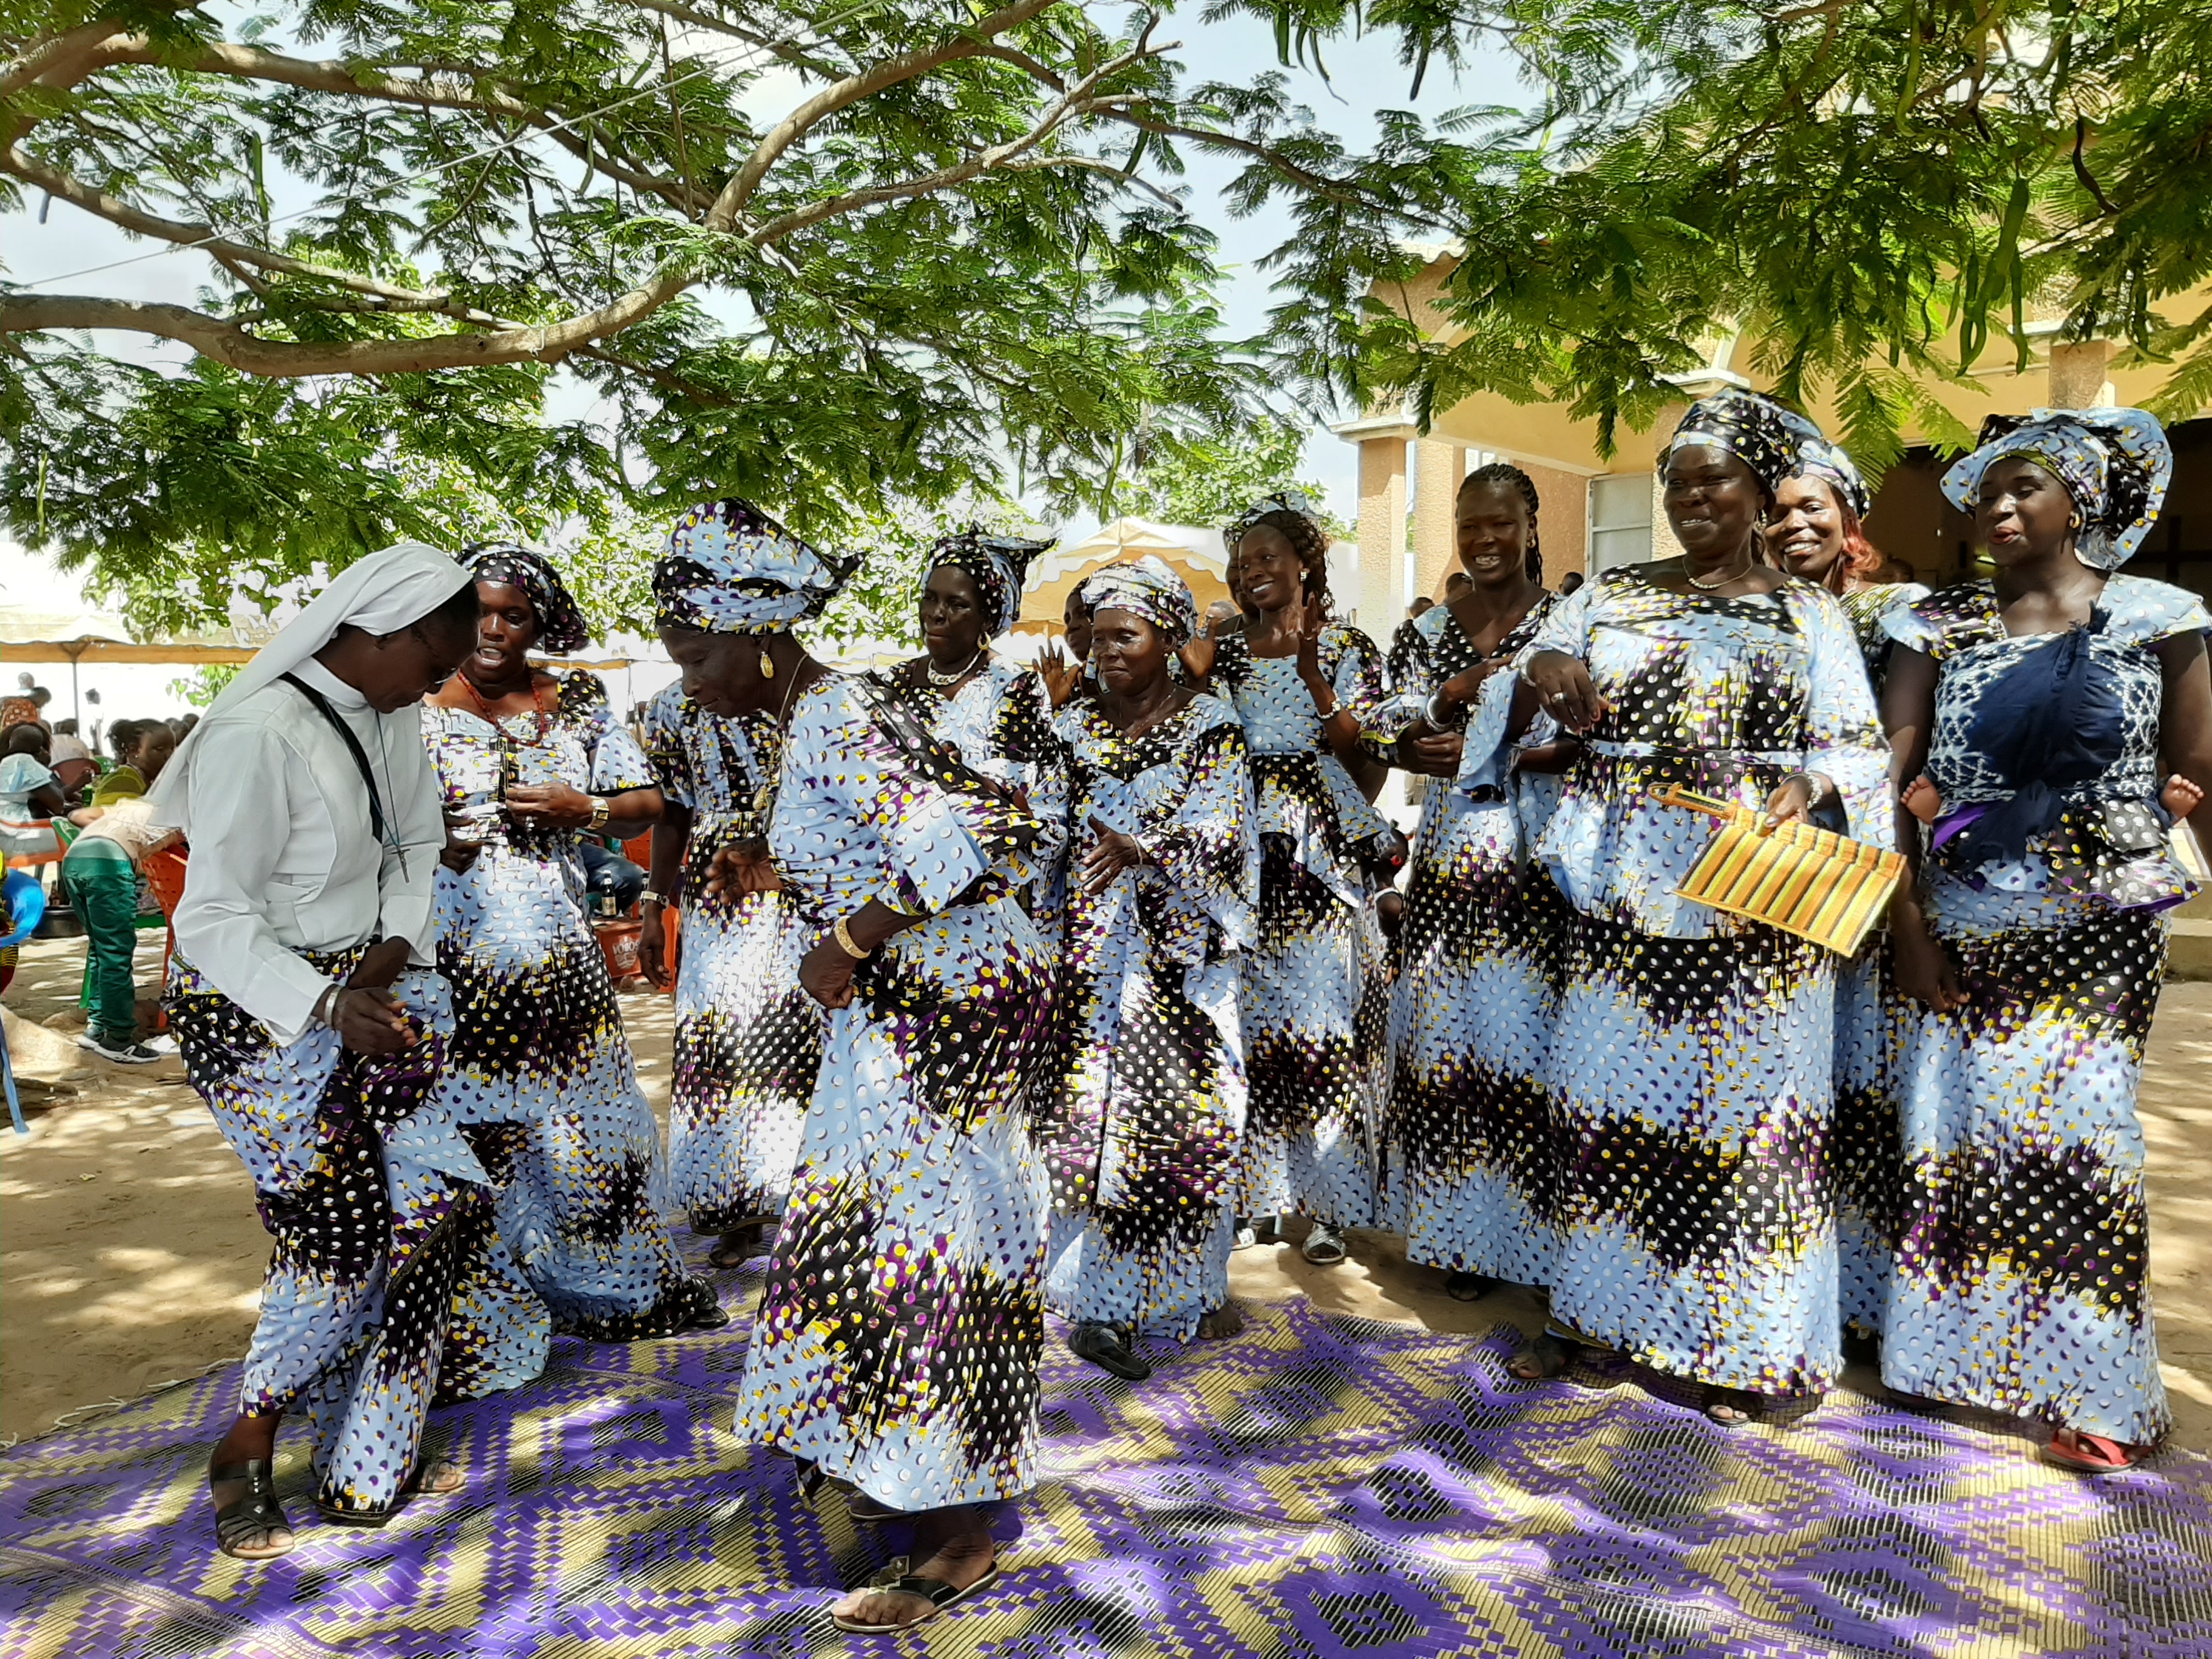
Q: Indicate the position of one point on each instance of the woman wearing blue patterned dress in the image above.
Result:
(1816, 534)
(995, 715)
(1160, 901)
(2047, 704)
(1468, 1149)
(528, 762)
(747, 1040)
(1691, 1064)
(896, 1342)
(1300, 683)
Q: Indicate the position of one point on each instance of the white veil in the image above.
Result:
(380, 594)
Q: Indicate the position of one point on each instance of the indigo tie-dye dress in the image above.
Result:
(1470, 1150)
(898, 1335)
(1316, 1089)
(2021, 1279)
(539, 1042)
(1691, 1067)
(748, 1039)
(1865, 1150)
(1150, 1088)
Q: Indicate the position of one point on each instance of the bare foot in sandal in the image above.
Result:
(962, 1560)
(2090, 1453)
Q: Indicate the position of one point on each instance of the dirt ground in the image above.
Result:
(130, 1254)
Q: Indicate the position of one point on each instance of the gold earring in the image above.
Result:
(766, 665)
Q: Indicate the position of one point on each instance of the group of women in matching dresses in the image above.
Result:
(1719, 1150)
(993, 998)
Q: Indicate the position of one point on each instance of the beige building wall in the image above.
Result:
(1560, 452)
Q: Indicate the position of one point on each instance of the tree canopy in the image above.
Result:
(846, 257)
(1869, 188)
(467, 266)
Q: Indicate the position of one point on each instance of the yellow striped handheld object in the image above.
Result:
(1812, 882)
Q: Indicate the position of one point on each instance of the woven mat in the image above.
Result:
(1318, 1487)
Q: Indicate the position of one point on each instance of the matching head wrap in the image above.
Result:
(996, 564)
(1146, 587)
(1817, 458)
(2115, 463)
(1294, 503)
(730, 569)
(560, 623)
(1754, 429)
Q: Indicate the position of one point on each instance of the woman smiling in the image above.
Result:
(1691, 1067)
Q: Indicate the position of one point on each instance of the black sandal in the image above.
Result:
(258, 1512)
(871, 1511)
(1107, 1348)
(738, 1246)
(935, 1591)
(1468, 1287)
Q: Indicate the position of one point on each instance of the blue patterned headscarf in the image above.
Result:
(1146, 587)
(730, 569)
(1762, 434)
(561, 625)
(2115, 463)
(1817, 458)
(995, 563)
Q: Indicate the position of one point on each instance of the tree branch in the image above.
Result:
(205, 237)
(1076, 100)
(877, 77)
(468, 90)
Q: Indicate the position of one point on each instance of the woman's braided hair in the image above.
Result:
(1505, 473)
(1308, 539)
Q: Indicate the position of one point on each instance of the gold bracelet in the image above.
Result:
(843, 935)
(601, 807)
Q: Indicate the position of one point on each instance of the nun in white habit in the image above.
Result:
(312, 1019)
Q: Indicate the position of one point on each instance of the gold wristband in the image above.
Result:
(601, 807)
(846, 942)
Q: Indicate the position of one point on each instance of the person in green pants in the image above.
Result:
(99, 874)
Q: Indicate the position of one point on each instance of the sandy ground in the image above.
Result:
(130, 1254)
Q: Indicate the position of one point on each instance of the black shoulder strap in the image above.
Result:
(353, 747)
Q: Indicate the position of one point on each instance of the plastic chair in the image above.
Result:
(165, 877)
(26, 902)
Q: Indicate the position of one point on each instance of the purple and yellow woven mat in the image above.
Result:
(1318, 1487)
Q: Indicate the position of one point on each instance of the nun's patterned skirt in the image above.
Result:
(388, 1290)
(748, 1048)
(1314, 1092)
(2022, 1282)
(1693, 1087)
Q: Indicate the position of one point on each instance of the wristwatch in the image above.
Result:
(648, 897)
(601, 807)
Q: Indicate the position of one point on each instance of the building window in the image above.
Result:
(1619, 519)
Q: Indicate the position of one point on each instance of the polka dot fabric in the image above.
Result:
(748, 1039)
(1691, 1071)
(2020, 1278)
(384, 1288)
(1469, 1153)
(538, 1040)
(1316, 1092)
(898, 1335)
(1150, 1089)
(1866, 1150)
